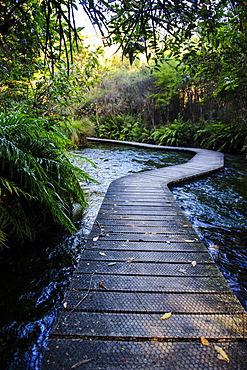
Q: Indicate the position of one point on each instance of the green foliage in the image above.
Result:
(60, 94)
(57, 95)
(168, 78)
(221, 61)
(122, 92)
(226, 137)
(38, 183)
(78, 130)
(145, 26)
(3, 238)
(31, 28)
(124, 127)
(229, 138)
(178, 133)
(48, 26)
(207, 38)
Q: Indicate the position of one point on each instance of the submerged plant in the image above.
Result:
(38, 183)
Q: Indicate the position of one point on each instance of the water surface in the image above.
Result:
(217, 209)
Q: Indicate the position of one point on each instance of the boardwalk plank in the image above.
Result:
(147, 246)
(143, 355)
(143, 283)
(147, 325)
(159, 302)
(148, 269)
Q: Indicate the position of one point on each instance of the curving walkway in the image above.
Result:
(143, 260)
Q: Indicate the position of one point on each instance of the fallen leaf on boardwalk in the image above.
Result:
(112, 263)
(204, 341)
(222, 353)
(166, 316)
(130, 260)
(194, 263)
(95, 239)
(189, 241)
(183, 271)
(219, 357)
(215, 246)
(82, 362)
(168, 242)
(102, 286)
(102, 254)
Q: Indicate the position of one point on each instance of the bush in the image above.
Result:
(226, 137)
(78, 130)
(124, 127)
(229, 138)
(37, 182)
(178, 133)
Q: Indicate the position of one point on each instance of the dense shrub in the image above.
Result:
(125, 127)
(178, 133)
(229, 138)
(78, 130)
(38, 183)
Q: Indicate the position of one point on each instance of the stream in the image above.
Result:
(34, 279)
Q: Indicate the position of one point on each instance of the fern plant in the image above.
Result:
(38, 183)
(178, 133)
(122, 127)
(228, 137)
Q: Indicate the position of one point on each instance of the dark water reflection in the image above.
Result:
(34, 280)
(217, 208)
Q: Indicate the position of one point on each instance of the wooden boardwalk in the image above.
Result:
(144, 260)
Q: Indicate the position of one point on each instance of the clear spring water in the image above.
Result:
(33, 280)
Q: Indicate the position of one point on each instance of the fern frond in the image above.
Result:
(12, 187)
(3, 239)
(37, 177)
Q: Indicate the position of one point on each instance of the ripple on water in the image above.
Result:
(217, 208)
